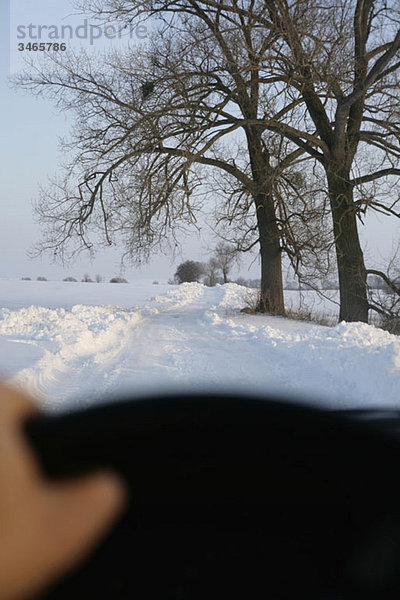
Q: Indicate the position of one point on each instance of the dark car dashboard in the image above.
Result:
(234, 496)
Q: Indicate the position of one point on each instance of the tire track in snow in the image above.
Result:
(74, 343)
(86, 348)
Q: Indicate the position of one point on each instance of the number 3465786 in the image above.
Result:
(42, 47)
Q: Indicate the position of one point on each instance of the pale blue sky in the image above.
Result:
(29, 153)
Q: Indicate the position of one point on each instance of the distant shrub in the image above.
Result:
(155, 282)
(26, 279)
(87, 279)
(41, 279)
(70, 279)
(189, 271)
(99, 279)
(118, 280)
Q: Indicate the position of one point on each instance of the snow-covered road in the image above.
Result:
(185, 337)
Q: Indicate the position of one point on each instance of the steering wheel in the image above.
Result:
(234, 496)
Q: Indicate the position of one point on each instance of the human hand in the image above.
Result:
(45, 527)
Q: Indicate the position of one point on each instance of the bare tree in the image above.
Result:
(152, 128)
(341, 61)
(293, 53)
(211, 269)
(335, 68)
(224, 258)
(220, 78)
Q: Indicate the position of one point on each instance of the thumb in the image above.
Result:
(80, 512)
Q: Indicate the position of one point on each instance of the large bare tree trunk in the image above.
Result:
(271, 293)
(350, 259)
(271, 297)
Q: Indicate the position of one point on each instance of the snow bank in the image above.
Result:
(182, 295)
(191, 336)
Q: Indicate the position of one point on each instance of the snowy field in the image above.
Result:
(80, 343)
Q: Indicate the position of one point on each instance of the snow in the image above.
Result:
(80, 343)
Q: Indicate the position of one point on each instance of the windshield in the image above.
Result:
(185, 207)
(164, 228)
(199, 246)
